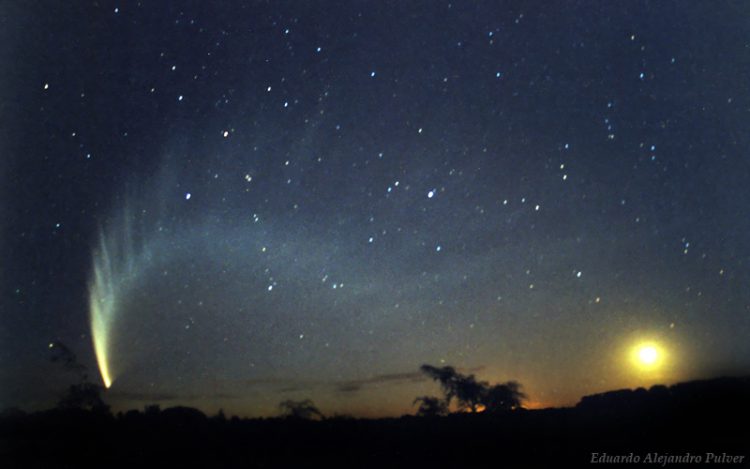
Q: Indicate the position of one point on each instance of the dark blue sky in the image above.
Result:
(255, 201)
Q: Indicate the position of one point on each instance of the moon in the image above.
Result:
(647, 356)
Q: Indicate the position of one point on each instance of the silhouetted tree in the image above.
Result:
(220, 416)
(466, 389)
(471, 394)
(304, 409)
(84, 395)
(62, 354)
(430, 406)
(87, 396)
(183, 417)
(445, 376)
(503, 397)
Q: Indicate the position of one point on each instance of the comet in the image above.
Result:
(102, 309)
(115, 271)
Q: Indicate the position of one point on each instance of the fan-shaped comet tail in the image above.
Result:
(102, 309)
(116, 268)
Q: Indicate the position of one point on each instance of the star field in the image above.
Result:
(269, 201)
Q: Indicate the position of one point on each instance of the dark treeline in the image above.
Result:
(698, 417)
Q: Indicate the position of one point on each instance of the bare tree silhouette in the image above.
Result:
(304, 410)
(87, 396)
(467, 391)
(62, 354)
(430, 406)
(473, 395)
(84, 394)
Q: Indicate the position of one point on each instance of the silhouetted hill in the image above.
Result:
(693, 395)
(692, 419)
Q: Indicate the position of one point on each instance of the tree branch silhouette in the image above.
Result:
(472, 395)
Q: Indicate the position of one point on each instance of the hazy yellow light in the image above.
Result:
(648, 356)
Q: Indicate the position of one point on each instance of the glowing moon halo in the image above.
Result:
(647, 356)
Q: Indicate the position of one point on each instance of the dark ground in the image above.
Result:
(698, 418)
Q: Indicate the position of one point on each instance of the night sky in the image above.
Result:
(229, 204)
